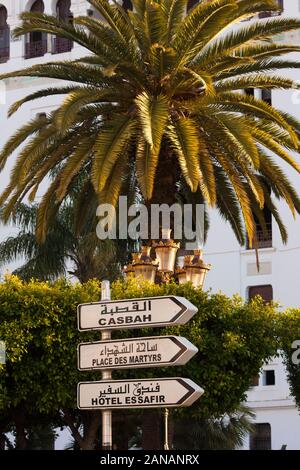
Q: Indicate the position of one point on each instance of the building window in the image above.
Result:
(260, 438)
(255, 381)
(127, 5)
(191, 4)
(269, 377)
(36, 45)
(266, 96)
(93, 14)
(63, 13)
(265, 292)
(250, 91)
(264, 234)
(268, 14)
(4, 36)
(41, 116)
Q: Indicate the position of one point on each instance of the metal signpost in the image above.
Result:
(2, 352)
(106, 375)
(159, 351)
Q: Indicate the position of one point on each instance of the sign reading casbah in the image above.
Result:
(135, 313)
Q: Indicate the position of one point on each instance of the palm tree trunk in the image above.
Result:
(2, 441)
(91, 423)
(152, 437)
(165, 184)
(166, 178)
(21, 438)
(91, 429)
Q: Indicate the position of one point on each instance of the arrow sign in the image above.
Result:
(135, 313)
(145, 393)
(135, 352)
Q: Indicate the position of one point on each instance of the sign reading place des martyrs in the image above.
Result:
(135, 313)
(135, 352)
(145, 393)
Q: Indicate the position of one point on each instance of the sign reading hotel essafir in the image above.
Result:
(135, 352)
(145, 393)
(135, 313)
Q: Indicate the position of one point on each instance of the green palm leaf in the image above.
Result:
(183, 135)
(153, 115)
(109, 146)
(146, 164)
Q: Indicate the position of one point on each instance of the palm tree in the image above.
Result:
(225, 433)
(64, 250)
(160, 90)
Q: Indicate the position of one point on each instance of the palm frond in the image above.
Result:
(109, 145)
(146, 165)
(183, 135)
(19, 137)
(40, 94)
(255, 81)
(175, 11)
(257, 31)
(153, 115)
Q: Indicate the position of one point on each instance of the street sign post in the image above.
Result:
(135, 313)
(144, 393)
(135, 352)
(2, 352)
(108, 354)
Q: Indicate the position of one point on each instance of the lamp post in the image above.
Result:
(194, 269)
(190, 268)
(142, 266)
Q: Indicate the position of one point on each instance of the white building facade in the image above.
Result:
(234, 267)
(234, 271)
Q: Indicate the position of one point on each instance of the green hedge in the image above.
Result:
(290, 332)
(39, 326)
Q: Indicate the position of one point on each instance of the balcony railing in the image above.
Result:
(4, 54)
(264, 238)
(61, 45)
(269, 14)
(4, 43)
(35, 49)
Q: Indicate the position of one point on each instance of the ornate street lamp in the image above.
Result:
(128, 271)
(195, 268)
(166, 250)
(143, 266)
(190, 268)
(180, 271)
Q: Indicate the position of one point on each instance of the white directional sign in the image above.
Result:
(135, 313)
(135, 352)
(145, 393)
